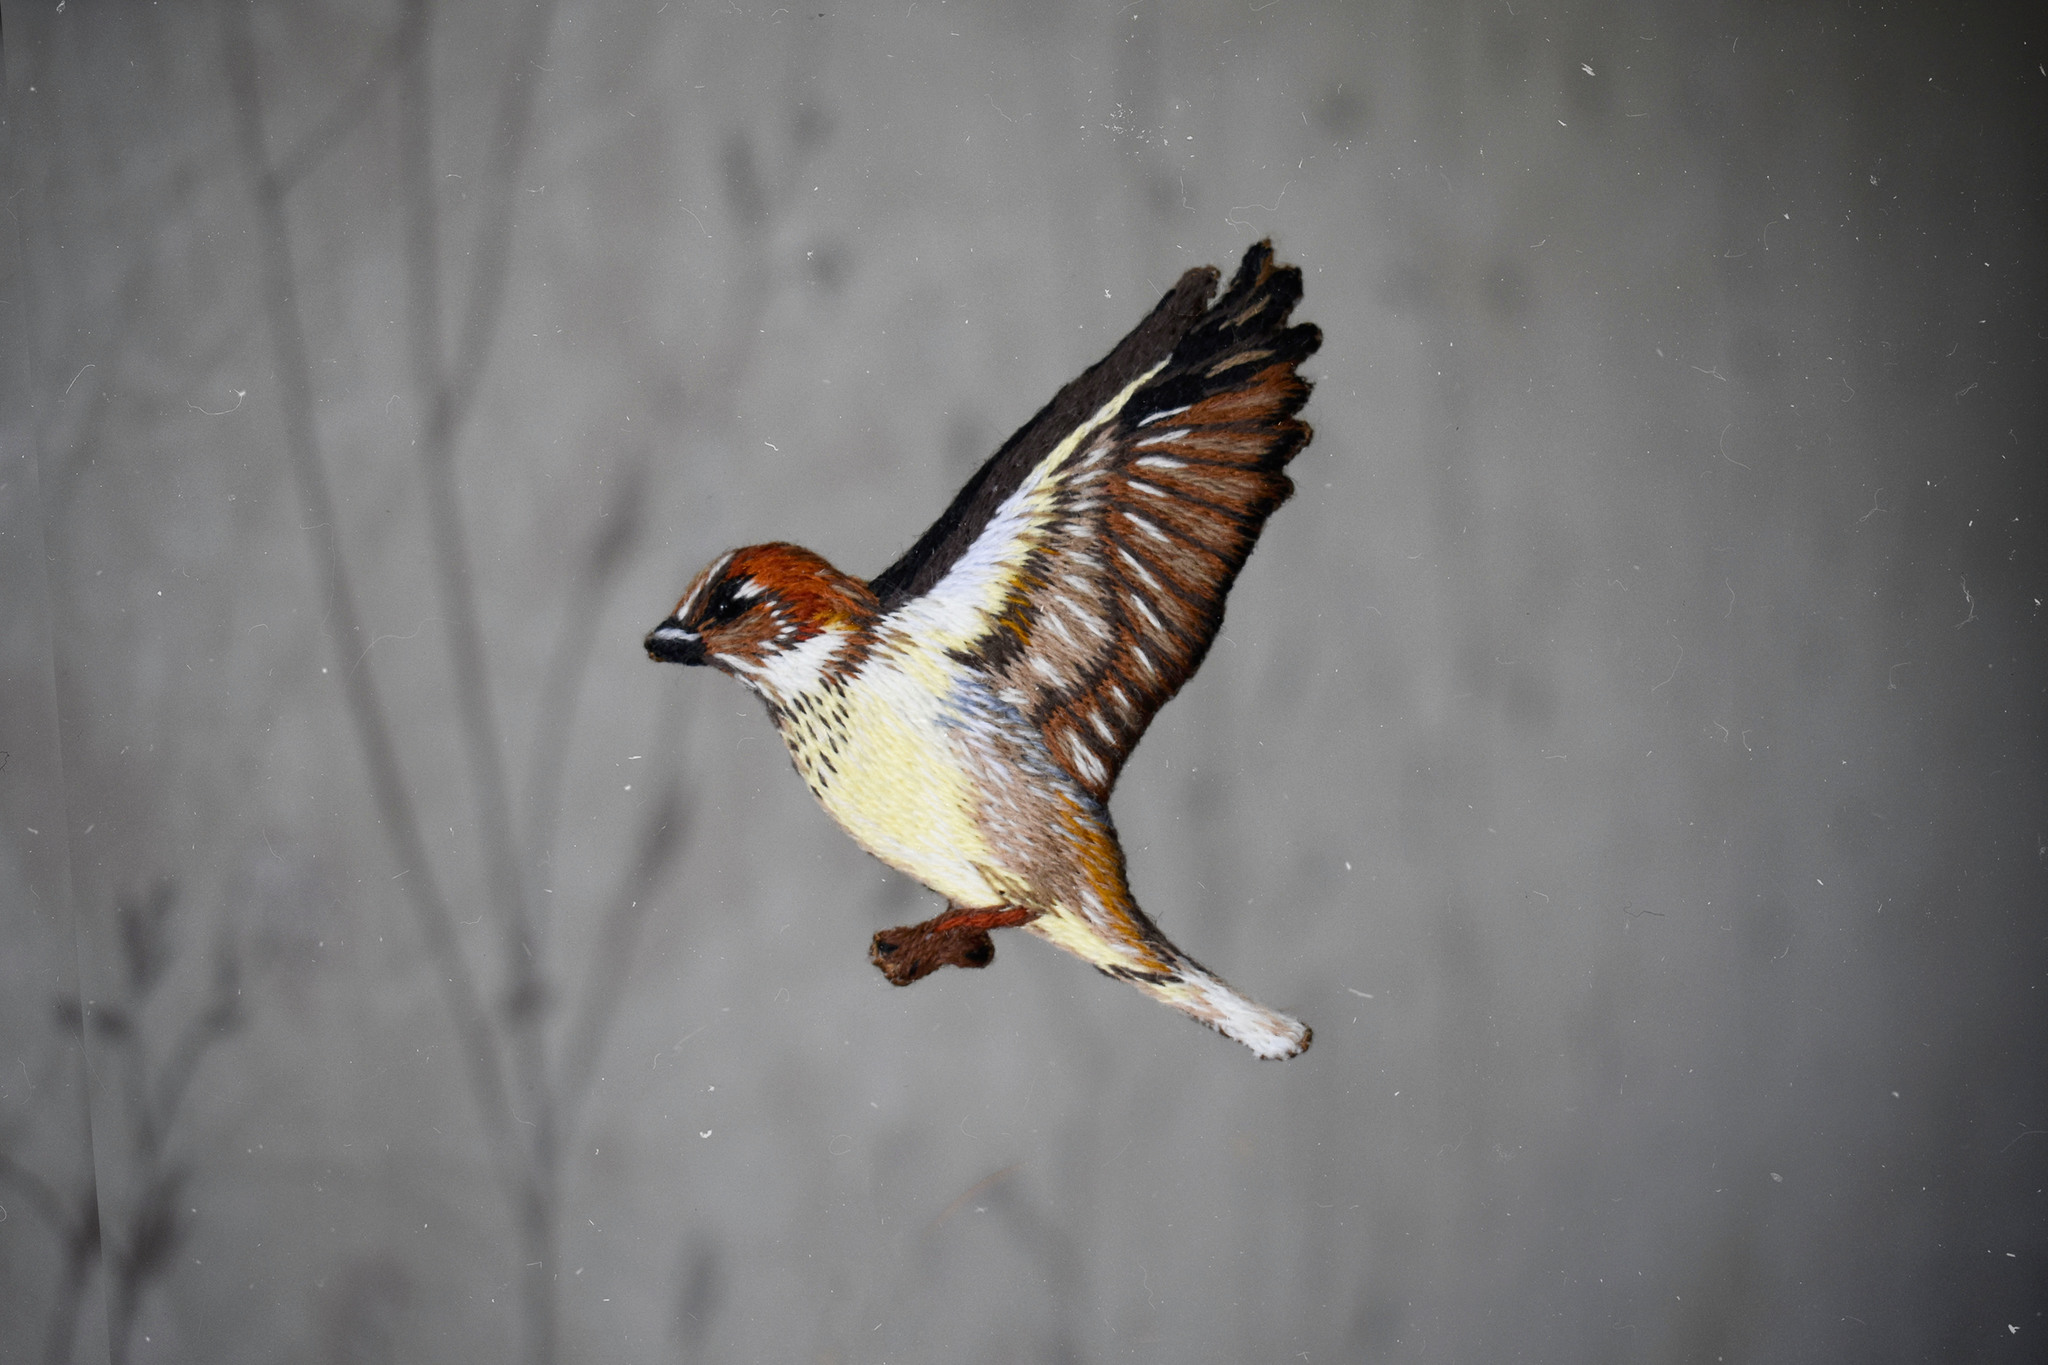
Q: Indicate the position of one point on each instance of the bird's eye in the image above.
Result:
(725, 604)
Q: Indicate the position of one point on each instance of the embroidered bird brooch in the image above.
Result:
(964, 714)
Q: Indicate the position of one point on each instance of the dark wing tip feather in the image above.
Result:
(1261, 294)
(1260, 297)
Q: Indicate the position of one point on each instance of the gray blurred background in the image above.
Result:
(1625, 750)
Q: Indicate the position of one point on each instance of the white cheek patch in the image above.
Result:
(793, 672)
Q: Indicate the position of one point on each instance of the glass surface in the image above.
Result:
(1625, 749)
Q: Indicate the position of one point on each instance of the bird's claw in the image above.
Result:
(916, 951)
(958, 938)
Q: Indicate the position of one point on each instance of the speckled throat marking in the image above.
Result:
(814, 726)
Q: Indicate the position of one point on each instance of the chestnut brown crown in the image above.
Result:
(751, 605)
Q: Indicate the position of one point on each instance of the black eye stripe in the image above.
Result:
(725, 603)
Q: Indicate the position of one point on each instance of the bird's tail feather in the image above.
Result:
(1129, 947)
(1213, 1001)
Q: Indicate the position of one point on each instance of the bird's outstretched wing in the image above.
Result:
(1085, 566)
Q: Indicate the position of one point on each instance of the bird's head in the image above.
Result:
(774, 616)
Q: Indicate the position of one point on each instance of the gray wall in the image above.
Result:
(1626, 749)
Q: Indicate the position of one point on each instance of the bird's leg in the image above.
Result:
(958, 938)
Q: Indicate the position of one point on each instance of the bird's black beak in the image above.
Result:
(669, 643)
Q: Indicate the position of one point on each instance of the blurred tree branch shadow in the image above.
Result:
(529, 1059)
(147, 1234)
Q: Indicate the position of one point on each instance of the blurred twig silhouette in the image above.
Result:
(72, 1213)
(529, 1055)
(144, 1237)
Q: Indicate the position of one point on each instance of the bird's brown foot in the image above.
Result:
(958, 938)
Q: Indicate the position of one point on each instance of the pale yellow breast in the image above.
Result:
(880, 759)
